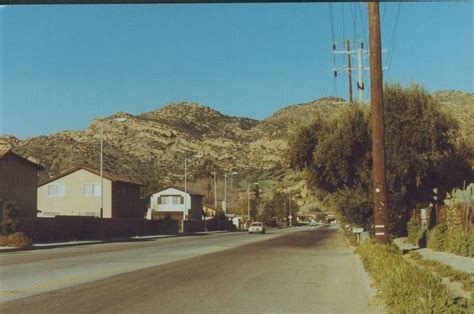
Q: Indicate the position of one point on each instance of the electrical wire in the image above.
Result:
(393, 38)
(331, 18)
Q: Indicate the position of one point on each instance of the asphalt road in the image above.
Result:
(310, 271)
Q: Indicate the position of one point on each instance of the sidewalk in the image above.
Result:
(38, 246)
(461, 263)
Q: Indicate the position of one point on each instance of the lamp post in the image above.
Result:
(186, 184)
(225, 194)
(248, 200)
(102, 174)
(225, 187)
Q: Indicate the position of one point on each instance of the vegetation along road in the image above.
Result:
(293, 270)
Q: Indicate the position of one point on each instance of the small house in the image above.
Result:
(18, 180)
(175, 203)
(78, 193)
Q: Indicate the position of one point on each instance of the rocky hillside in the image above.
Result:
(461, 106)
(151, 146)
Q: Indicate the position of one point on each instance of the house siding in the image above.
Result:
(74, 202)
(170, 207)
(193, 204)
(126, 201)
(18, 180)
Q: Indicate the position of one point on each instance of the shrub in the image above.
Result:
(443, 238)
(436, 237)
(406, 288)
(17, 239)
(10, 214)
(460, 243)
(416, 234)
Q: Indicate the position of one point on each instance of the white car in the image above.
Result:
(257, 227)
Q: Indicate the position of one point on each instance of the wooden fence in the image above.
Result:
(71, 228)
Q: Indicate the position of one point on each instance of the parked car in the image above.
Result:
(257, 227)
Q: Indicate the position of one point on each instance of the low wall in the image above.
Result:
(215, 225)
(193, 225)
(70, 228)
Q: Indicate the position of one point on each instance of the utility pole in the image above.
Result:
(378, 140)
(361, 54)
(225, 193)
(215, 190)
(349, 70)
(360, 79)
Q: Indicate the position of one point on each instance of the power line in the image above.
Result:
(331, 18)
(343, 26)
(393, 38)
(362, 24)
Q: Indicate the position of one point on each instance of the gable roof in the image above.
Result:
(107, 175)
(5, 150)
(177, 188)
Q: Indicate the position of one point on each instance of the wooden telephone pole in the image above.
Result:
(378, 136)
(349, 70)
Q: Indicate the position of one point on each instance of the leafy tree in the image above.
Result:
(10, 217)
(303, 143)
(342, 156)
(420, 149)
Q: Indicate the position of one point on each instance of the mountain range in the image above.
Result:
(151, 147)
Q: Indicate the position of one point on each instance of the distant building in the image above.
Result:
(78, 193)
(18, 181)
(209, 211)
(170, 201)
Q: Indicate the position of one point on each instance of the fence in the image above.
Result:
(70, 228)
(211, 225)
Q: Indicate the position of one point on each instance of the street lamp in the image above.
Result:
(186, 183)
(225, 188)
(102, 174)
(248, 200)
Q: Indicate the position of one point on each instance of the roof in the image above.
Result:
(5, 150)
(211, 207)
(107, 175)
(177, 188)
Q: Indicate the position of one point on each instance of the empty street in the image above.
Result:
(296, 270)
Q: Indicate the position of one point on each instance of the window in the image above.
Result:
(176, 199)
(92, 189)
(56, 189)
(170, 199)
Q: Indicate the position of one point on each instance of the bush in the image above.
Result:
(406, 288)
(460, 243)
(436, 237)
(10, 215)
(416, 234)
(443, 238)
(17, 239)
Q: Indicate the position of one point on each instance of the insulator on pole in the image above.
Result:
(335, 73)
(362, 45)
(333, 46)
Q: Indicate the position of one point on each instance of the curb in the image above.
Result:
(46, 246)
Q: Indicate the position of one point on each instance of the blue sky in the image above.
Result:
(61, 66)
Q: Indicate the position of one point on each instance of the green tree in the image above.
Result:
(10, 217)
(420, 147)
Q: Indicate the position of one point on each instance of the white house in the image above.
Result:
(177, 204)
